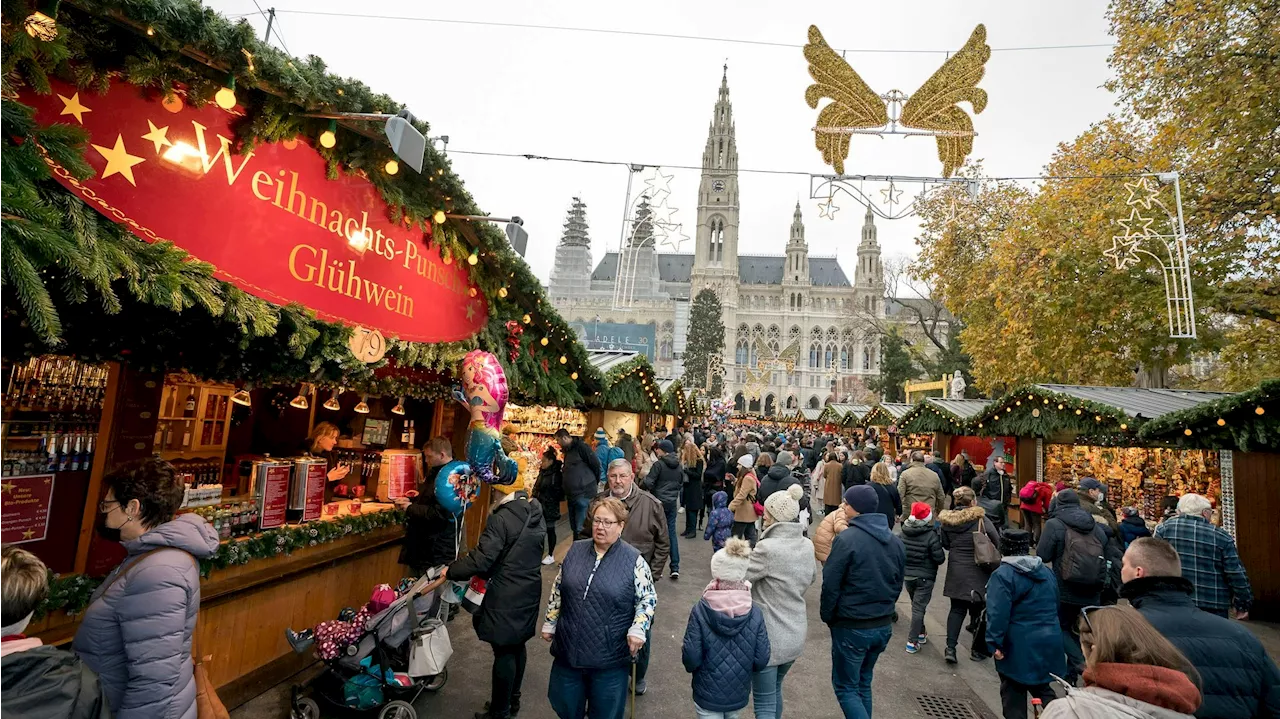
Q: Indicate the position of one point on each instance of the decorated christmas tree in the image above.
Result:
(706, 340)
(575, 225)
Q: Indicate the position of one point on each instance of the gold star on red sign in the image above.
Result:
(119, 161)
(29, 534)
(71, 106)
(158, 135)
(6, 487)
(471, 311)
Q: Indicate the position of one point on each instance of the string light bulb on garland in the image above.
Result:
(502, 292)
(1124, 426)
(563, 359)
(226, 97)
(543, 341)
(1259, 410)
(439, 217)
(1222, 422)
(1078, 412)
(41, 25)
(472, 258)
(150, 31)
(362, 407)
(1187, 431)
(391, 168)
(574, 376)
(329, 137)
(473, 292)
(1059, 405)
(526, 319)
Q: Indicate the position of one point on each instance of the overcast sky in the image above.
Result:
(648, 100)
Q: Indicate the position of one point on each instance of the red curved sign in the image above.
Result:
(269, 220)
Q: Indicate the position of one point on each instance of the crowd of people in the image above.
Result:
(1086, 612)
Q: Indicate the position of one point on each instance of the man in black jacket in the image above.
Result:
(1073, 596)
(430, 532)
(581, 477)
(665, 481)
(1238, 679)
(857, 471)
(509, 556)
(943, 470)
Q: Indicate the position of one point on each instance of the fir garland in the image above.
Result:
(630, 385)
(1233, 422)
(71, 593)
(104, 274)
(1033, 411)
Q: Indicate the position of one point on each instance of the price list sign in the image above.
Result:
(316, 475)
(275, 495)
(401, 475)
(24, 508)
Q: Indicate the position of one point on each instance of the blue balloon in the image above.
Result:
(456, 487)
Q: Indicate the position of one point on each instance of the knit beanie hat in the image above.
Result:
(600, 434)
(1130, 511)
(666, 446)
(747, 461)
(785, 458)
(730, 564)
(922, 511)
(862, 498)
(784, 506)
(1015, 542)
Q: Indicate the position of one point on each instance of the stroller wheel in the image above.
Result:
(397, 709)
(305, 708)
(437, 682)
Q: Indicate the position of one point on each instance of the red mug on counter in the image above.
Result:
(358, 490)
(332, 508)
(355, 506)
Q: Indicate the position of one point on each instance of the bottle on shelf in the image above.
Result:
(412, 438)
(189, 407)
(186, 435)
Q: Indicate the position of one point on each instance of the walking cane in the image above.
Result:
(634, 660)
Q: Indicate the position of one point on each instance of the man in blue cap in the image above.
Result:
(1091, 493)
(861, 582)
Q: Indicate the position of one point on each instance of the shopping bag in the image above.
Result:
(431, 650)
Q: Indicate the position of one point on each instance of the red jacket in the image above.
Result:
(1035, 497)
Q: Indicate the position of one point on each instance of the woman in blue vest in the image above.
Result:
(601, 606)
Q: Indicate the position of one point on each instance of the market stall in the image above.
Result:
(629, 397)
(943, 423)
(1244, 430)
(215, 266)
(883, 417)
(1066, 432)
(834, 416)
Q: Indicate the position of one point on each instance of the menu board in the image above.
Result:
(317, 473)
(275, 496)
(24, 508)
(402, 471)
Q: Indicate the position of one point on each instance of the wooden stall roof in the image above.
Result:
(1111, 415)
(885, 413)
(808, 414)
(838, 413)
(934, 414)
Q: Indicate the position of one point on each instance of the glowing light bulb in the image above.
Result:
(1222, 422)
(363, 405)
(544, 341)
(392, 167)
(241, 397)
(563, 359)
(329, 137)
(439, 217)
(573, 376)
(526, 319)
(399, 408)
(502, 292)
(332, 403)
(1259, 410)
(226, 97)
(1187, 431)
(472, 259)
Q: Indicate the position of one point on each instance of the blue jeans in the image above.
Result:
(672, 534)
(575, 692)
(578, 516)
(701, 713)
(766, 690)
(853, 660)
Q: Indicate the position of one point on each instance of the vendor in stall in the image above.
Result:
(430, 532)
(324, 437)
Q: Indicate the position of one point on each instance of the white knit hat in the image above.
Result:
(730, 564)
(747, 461)
(784, 506)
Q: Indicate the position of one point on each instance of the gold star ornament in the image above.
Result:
(158, 135)
(29, 534)
(71, 106)
(119, 161)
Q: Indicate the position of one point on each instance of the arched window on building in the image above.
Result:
(792, 402)
(815, 358)
(664, 348)
(866, 358)
(754, 406)
(770, 406)
(844, 357)
(740, 353)
(828, 359)
(814, 402)
(739, 402)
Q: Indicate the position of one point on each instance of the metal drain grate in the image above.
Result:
(936, 707)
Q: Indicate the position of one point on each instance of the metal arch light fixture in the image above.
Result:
(1128, 249)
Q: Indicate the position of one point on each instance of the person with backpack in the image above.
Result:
(1132, 526)
(1084, 557)
(1022, 633)
(993, 489)
(666, 482)
(923, 542)
(967, 531)
(1034, 498)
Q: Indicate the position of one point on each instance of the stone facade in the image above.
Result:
(793, 298)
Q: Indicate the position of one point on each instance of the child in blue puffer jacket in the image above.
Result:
(725, 641)
(719, 522)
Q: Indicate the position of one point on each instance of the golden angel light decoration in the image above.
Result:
(932, 111)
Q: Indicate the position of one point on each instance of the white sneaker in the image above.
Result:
(680, 510)
(547, 560)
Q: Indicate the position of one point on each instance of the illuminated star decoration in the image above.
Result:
(828, 209)
(158, 135)
(673, 236)
(119, 161)
(1141, 193)
(1135, 225)
(1123, 251)
(891, 194)
(659, 185)
(71, 106)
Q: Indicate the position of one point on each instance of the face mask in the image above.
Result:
(111, 534)
(17, 627)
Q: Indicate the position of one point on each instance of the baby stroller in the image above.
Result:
(369, 676)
